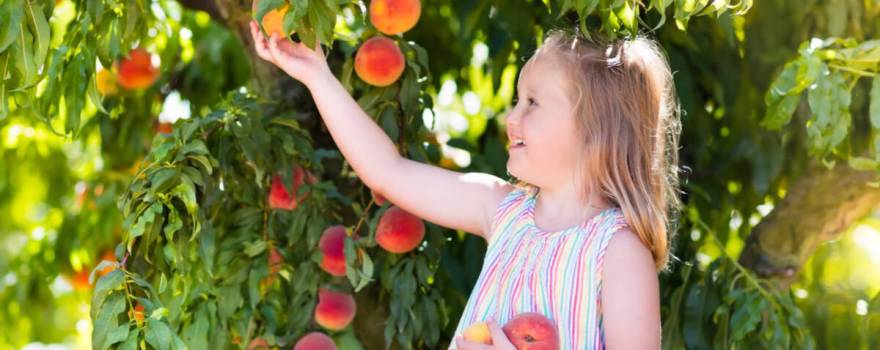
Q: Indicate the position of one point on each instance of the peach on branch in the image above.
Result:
(280, 198)
(394, 16)
(332, 245)
(136, 71)
(379, 61)
(107, 256)
(399, 231)
(106, 82)
(335, 310)
(315, 341)
(273, 21)
(137, 314)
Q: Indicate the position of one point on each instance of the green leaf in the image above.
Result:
(746, 317)
(388, 120)
(409, 95)
(862, 163)
(104, 286)
(4, 68)
(294, 16)
(11, 13)
(158, 334)
(22, 57)
(107, 331)
(323, 18)
(829, 102)
(39, 29)
(695, 314)
(875, 103)
(196, 334)
(95, 97)
(366, 273)
(131, 342)
(781, 99)
(163, 180)
(264, 6)
(254, 248)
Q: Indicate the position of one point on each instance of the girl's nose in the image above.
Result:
(512, 118)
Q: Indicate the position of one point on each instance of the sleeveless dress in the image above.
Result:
(555, 273)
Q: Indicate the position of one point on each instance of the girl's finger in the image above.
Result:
(273, 47)
(260, 44)
(499, 339)
(462, 344)
(318, 48)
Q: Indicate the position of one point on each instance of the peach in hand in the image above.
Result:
(532, 331)
(273, 21)
(478, 333)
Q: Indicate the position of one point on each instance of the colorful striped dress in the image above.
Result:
(555, 273)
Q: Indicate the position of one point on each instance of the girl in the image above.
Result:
(580, 238)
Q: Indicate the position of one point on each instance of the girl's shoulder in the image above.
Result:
(517, 196)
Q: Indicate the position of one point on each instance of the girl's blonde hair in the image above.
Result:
(626, 111)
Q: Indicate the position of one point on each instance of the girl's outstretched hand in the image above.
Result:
(296, 59)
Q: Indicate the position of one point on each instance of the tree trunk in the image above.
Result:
(818, 207)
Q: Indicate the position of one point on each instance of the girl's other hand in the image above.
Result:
(296, 59)
(499, 340)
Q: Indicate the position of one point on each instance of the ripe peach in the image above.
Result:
(137, 314)
(394, 16)
(399, 231)
(377, 197)
(315, 341)
(478, 333)
(273, 21)
(532, 331)
(79, 280)
(106, 82)
(275, 260)
(332, 244)
(137, 71)
(279, 198)
(379, 61)
(108, 256)
(335, 310)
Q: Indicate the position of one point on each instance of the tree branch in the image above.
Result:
(818, 207)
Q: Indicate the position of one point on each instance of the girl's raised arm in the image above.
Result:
(463, 201)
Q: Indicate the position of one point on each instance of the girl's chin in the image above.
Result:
(513, 170)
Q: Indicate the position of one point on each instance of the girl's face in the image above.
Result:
(543, 120)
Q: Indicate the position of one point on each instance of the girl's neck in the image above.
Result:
(562, 207)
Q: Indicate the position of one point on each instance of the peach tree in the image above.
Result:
(234, 222)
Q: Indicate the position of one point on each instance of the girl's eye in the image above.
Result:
(531, 101)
